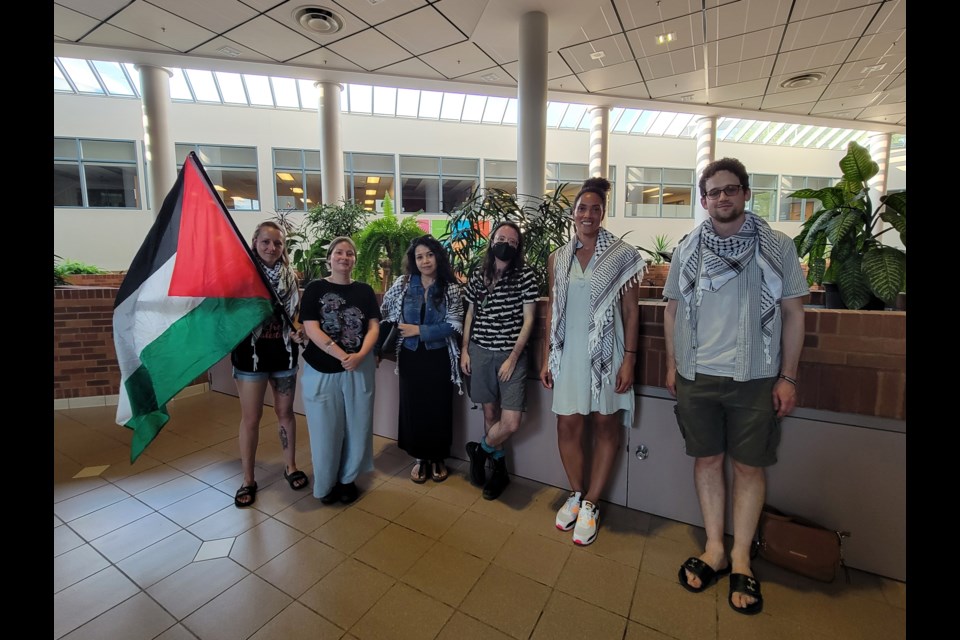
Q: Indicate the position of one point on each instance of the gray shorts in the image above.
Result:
(718, 415)
(484, 386)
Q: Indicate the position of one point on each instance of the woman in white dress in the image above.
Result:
(591, 354)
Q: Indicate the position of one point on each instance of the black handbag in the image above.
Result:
(389, 336)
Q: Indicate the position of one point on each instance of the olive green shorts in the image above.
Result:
(718, 415)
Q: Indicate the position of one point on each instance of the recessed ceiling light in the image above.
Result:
(664, 38)
(876, 67)
(687, 98)
(318, 20)
(597, 55)
(229, 51)
(802, 80)
(490, 77)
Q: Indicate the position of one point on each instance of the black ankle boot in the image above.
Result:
(478, 463)
(498, 480)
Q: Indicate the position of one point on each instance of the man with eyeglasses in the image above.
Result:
(734, 330)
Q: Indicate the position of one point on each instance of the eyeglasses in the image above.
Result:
(729, 190)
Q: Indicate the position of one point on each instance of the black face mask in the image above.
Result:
(503, 250)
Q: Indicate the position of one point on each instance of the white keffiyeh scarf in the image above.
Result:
(284, 282)
(708, 262)
(617, 266)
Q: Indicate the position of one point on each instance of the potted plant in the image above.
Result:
(381, 246)
(845, 226)
(658, 264)
(308, 241)
(545, 221)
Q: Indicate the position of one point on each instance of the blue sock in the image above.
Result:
(486, 447)
(497, 454)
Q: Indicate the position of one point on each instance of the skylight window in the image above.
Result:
(494, 111)
(113, 78)
(644, 121)
(231, 87)
(430, 104)
(510, 115)
(59, 80)
(555, 111)
(310, 95)
(361, 98)
(259, 89)
(408, 102)
(660, 123)
(385, 101)
(627, 120)
(83, 78)
(473, 108)
(452, 106)
(179, 89)
(204, 88)
(285, 92)
(571, 119)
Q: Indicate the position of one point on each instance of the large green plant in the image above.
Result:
(384, 238)
(545, 221)
(661, 252)
(64, 268)
(308, 241)
(845, 228)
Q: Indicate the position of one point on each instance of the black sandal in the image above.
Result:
(249, 491)
(297, 480)
(438, 471)
(419, 472)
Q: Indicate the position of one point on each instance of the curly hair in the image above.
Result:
(445, 275)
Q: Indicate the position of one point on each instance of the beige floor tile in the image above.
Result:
(599, 581)
(301, 566)
(734, 626)
(148, 479)
(169, 446)
(516, 600)
(192, 462)
(677, 531)
(116, 472)
(534, 556)
(350, 530)
(64, 539)
(665, 606)
(456, 490)
(195, 508)
(509, 507)
(477, 535)
(239, 611)
(219, 471)
(91, 472)
(463, 627)
(662, 557)
(156, 562)
(402, 613)
(129, 539)
(430, 516)
(277, 496)
(640, 632)
(393, 550)
(895, 593)
(78, 604)
(540, 517)
(169, 492)
(307, 515)
(388, 500)
(64, 468)
(345, 594)
(568, 617)
(196, 584)
(75, 565)
(393, 463)
(71, 487)
(445, 573)
(88, 502)
(262, 543)
(296, 622)
(227, 523)
(139, 618)
(103, 521)
(176, 632)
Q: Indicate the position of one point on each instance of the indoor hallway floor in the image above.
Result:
(157, 549)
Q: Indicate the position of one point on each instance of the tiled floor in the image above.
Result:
(157, 550)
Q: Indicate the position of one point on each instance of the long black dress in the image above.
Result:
(425, 423)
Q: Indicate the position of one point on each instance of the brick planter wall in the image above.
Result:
(113, 279)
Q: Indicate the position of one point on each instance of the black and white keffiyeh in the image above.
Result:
(708, 262)
(284, 282)
(617, 266)
(391, 310)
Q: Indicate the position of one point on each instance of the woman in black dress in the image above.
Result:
(428, 310)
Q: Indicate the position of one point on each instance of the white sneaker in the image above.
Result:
(585, 531)
(567, 516)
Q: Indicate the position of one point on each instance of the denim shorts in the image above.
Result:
(263, 376)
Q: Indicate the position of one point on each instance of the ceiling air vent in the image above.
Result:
(318, 20)
(802, 80)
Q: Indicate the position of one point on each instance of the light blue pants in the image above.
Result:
(339, 408)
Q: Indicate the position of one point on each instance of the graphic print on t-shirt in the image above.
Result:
(344, 323)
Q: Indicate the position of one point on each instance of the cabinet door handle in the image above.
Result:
(642, 452)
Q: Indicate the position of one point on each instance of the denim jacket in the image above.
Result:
(434, 329)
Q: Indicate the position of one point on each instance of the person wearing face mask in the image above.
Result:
(591, 353)
(428, 310)
(502, 296)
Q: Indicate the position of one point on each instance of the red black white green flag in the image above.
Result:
(192, 293)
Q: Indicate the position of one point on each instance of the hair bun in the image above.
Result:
(597, 183)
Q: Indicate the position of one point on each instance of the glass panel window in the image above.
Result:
(654, 192)
(799, 209)
(95, 173)
(232, 170)
(763, 195)
(437, 185)
(296, 176)
(500, 168)
(369, 176)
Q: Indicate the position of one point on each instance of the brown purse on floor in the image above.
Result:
(800, 545)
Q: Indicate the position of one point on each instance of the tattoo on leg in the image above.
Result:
(285, 385)
(283, 436)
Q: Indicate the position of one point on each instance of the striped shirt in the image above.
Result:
(749, 363)
(498, 314)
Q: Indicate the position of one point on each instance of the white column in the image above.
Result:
(532, 106)
(706, 153)
(599, 141)
(879, 147)
(161, 159)
(331, 153)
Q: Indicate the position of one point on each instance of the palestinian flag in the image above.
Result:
(191, 295)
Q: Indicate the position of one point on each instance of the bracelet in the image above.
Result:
(792, 381)
(628, 351)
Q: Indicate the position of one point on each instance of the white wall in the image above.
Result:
(109, 238)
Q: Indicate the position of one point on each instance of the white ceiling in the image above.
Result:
(729, 57)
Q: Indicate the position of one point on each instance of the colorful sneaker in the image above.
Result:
(567, 516)
(587, 523)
